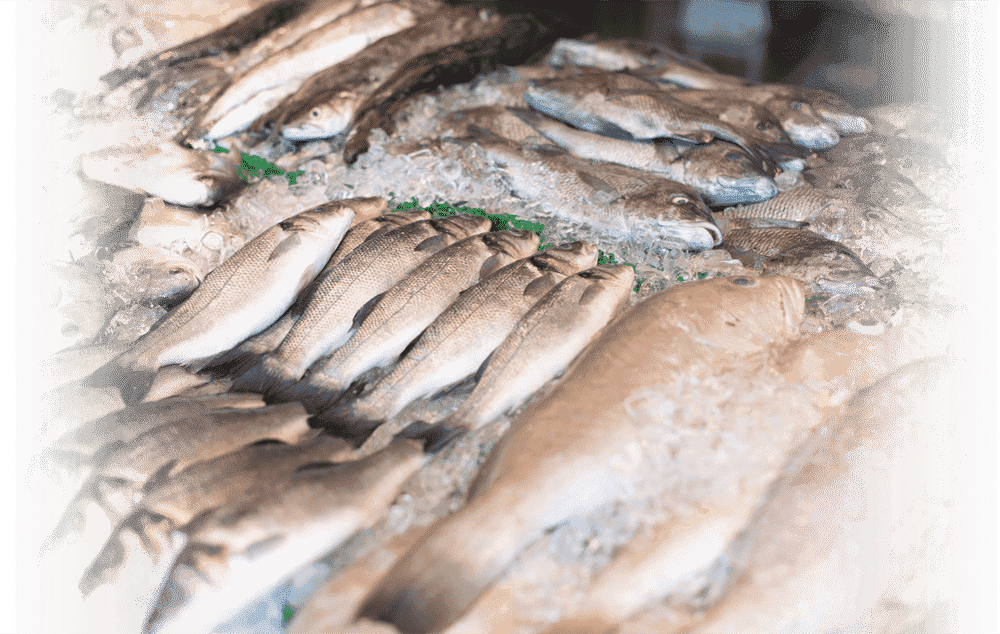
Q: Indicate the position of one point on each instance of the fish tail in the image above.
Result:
(436, 437)
(269, 377)
(342, 422)
(150, 530)
(133, 383)
(317, 393)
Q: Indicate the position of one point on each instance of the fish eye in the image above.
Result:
(765, 126)
(566, 247)
(175, 271)
(680, 200)
(315, 113)
(743, 281)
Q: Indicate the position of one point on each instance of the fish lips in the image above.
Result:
(727, 190)
(304, 130)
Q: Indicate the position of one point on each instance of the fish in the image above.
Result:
(497, 120)
(391, 321)
(166, 170)
(325, 104)
(271, 269)
(804, 126)
(800, 253)
(546, 339)
(122, 468)
(625, 106)
(460, 339)
(245, 549)
(833, 109)
(573, 449)
(370, 270)
(283, 73)
(721, 172)
(610, 198)
(238, 360)
(203, 487)
(517, 38)
(144, 274)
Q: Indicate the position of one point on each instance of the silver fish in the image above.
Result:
(391, 321)
(569, 451)
(272, 269)
(722, 173)
(609, 198)
(245, 549)
(546, 340)
(461, 338)
(371, 269)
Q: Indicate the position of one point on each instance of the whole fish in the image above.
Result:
(325, 104)
(802, 254)
(517, 39)
(144, 274)
(166, 170)
(609, 198)
(204, 486)
(625, 106)
(238, 360)
(573, 449)
(549, 336)
(831, 107)
(271, 269)
(461, 338)
(283, 73)
(393, 320)
(370, 270)
(245, 549)
(721, 172)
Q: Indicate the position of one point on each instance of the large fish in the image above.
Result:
(252, 545)
(271, 270)
(625, 106)
(574, 449)
(370, 270)
(545, 341)
(461, 338)
(262, 87)
(393, 320)
(609, 198)
(325, 104)
(517, 39)
(238, 360)
(722, 173)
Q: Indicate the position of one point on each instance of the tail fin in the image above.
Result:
(139, 526)
(340, 422)
(133, 384)
(270, 377)
(436, 437)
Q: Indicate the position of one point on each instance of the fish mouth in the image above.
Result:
(697, 235)
(844, 122)
(734, 191)
(308, 130)
(816, 136)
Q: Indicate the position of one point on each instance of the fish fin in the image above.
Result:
(592, 292)
(262, 546)
(540, 285)
(340, 423)
(464, 384)
(73, 519)
(132, 383)
(230, 363)
(483, 366)
(160, 476)
(105, 567)
(365, 310)
(493, 264)
(434, 243)
(269, 377)
(285, 246)
(436, 437)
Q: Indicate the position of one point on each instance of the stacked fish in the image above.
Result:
(390, 346)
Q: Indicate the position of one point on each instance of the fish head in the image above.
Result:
(836, 111)
(682, 209)
(614, 280)
(461, 226)
(765, 308)
(153, 274)
(568, 257)
(802, 123)
(323, 120)
(511, 244)
(727, 174)
(330, 219)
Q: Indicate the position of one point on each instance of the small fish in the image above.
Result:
(177, 175)
(271, 269)
(572, 450)
(283, 73)
(611, 198)
(461, 338)
(625, 106)
(144, 274)
(370, 270)
(721, 172)
(546, 340)
(804, 255)
(325, 105)
(517, 39)
(245, 549)
(393, 320)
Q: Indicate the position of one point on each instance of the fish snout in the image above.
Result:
(731, 190)
(813, 135)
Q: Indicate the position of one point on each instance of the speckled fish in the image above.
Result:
(546, 340)
(325, 104)
(370, 270)
(609, 198)
(804, 255)
(166, 170)
(516, 39)
(393, 320)
(575, 448)
(461, 338)
(238, 360)
(203, 486)
(271, 269)
(145, 274)
(721, 172)
(624, 106)
(283, 73)
(245, 549)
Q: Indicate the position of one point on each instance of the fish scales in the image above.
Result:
(398, 317)
(546, 339)
(371, 269)
(463, 336)
(801, 203)
(575, 448)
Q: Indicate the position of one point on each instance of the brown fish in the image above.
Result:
(569, 451)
